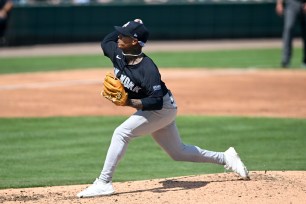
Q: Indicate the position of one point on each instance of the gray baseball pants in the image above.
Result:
(293, 11)
(161, 125)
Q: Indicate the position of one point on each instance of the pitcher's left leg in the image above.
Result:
(168, 138)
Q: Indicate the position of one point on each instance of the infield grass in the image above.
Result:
(246, 58)
(71, 150)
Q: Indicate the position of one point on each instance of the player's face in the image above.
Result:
(126, 42)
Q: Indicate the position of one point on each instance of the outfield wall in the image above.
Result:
(42, 24)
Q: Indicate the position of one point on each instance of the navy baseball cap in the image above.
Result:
(134, 29)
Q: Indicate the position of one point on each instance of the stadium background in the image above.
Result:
(47, 148)
(62, 21)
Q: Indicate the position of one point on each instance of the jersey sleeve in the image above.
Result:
(153, 84)
(109, 45)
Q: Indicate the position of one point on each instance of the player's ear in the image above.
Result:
(135, 41)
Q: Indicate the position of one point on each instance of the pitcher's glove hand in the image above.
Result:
(114, 91)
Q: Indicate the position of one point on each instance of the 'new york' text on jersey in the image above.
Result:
(141, 81)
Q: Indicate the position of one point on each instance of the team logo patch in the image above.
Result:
(125, 25)
(157, 87)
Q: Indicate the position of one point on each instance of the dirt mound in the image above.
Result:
(264, 187)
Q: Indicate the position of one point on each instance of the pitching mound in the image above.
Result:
(264, 187)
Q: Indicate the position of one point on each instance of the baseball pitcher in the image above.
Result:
(136, 82)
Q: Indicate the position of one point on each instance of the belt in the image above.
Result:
(168, 92)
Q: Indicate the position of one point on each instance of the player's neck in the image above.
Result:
(132, 60)
(132, 51)
(133, 57)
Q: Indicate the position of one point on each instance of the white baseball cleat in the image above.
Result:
(234, 163)
(98, 188)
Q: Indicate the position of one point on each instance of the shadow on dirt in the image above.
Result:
(171, 185)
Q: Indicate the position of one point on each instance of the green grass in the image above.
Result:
(252, 58)
(70, 150)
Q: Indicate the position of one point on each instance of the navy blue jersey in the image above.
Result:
(2, 3)
(142, 80)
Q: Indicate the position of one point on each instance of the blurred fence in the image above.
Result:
(41, 23)
(57, 2)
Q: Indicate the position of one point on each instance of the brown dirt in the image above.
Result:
(278, 93)
(264, 187)
(269, 93)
